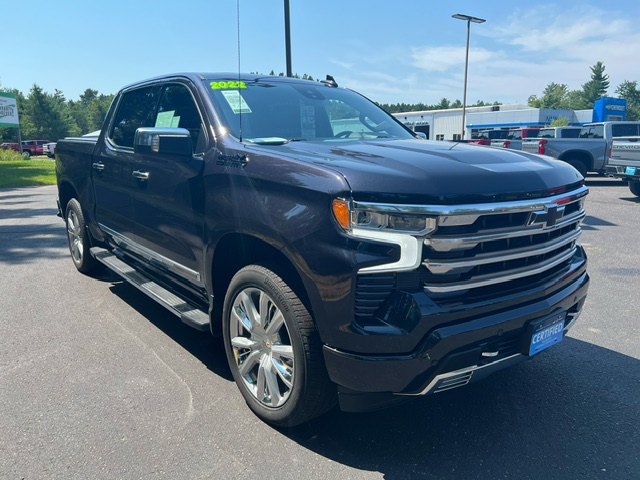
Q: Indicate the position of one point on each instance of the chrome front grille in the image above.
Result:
(481, 245)
(479, 251)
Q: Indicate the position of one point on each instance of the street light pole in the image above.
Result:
(468, 19)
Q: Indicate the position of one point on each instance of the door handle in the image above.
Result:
(140, 175)
(99, 166)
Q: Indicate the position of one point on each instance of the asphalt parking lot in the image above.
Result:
(97, 381)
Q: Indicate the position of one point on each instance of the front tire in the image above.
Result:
(634, 186)
(273, 349)
(78, 237)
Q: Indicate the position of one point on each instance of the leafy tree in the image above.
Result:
(558, 96)
(554, 96)
(575, 101)
(444, 104)
(629, 91)
(46, 116)
(90, 110)
(560, 122)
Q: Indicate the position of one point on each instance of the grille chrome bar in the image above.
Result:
(447, 244)
(486, 280)
(466, 213)
(446, 266)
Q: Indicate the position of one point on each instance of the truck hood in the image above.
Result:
(438, 171)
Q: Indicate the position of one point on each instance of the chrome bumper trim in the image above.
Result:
(458, 378)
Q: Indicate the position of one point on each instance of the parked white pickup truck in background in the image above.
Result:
(514, 138)
(624, 161)
(559, 132)
(590, 151)
(49, 149)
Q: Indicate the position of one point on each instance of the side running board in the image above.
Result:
(192, 316)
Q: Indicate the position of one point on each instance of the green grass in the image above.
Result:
(18, 172)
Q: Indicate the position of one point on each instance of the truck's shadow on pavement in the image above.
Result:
(595, 180)
(209, 350)
(585, 398)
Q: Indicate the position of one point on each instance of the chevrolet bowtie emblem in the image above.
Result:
(548, 217)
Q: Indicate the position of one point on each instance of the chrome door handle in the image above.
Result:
(99, 166)
(140, 175)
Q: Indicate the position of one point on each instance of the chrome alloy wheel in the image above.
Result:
(262, 347)
(74, 234)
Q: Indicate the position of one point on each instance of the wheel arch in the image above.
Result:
(237, 250)
(66, 192)
(580, 155)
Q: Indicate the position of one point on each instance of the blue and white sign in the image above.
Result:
(608, 109)
(8, 110)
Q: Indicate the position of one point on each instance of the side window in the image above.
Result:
(588, 132)
(624, 130)
(598, 131)
(178, 109)
(135, 110)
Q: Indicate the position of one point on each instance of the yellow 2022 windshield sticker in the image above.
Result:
(227, 85)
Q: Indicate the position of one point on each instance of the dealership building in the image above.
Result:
(447, 124)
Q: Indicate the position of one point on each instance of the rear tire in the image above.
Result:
(634, 186)
(274, 350)
(78, 237)
(580, 166)
(26, 154)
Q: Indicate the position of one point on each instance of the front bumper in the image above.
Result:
(449, 356)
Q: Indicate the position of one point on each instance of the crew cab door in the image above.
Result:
(113, 168)
(169, 199)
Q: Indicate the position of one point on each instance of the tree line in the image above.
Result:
(50, 116)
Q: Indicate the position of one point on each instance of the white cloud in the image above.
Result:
(341, 64)
(511, 57)
(529, 51)
(441, 59)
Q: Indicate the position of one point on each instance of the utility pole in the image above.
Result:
(287, 37)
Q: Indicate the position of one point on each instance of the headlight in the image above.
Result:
(386, 223)
(381, 218)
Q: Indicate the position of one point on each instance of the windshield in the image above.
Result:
(274, 112)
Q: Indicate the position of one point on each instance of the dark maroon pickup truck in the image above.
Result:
(31, 148)
(341, 258)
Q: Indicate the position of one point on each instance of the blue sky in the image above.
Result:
(390, 51)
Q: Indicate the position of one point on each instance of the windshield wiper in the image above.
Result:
(274, 140)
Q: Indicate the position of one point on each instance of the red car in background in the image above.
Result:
(33, 147)
(10, 146)
(29, 147)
